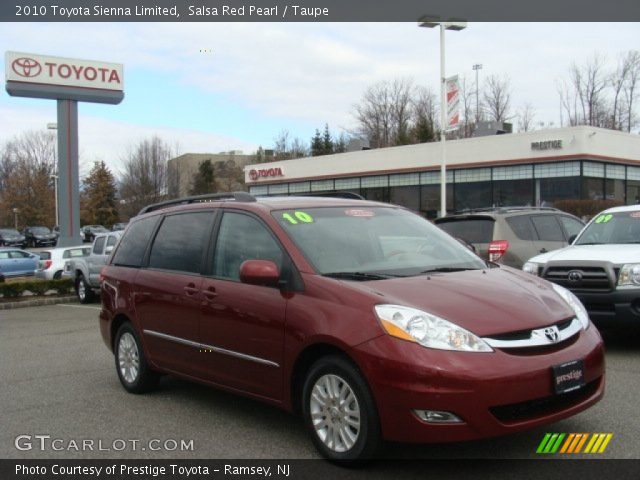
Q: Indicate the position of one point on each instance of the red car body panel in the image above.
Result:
(277, 327)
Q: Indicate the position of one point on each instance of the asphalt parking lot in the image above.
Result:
(58, 379)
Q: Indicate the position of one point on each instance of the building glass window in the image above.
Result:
(513, 173)
(592, 169)
(430, 199)
(258, 190)
(278, 189)
(614, 189)
(633, 192)
(560, 169)
(377, 181)
(633, 173)
(404, 179)
(509, 193)
(616, 171)
(322, 185)
(299, 187)
(472, 195)
(473, 175)
(376, 194)
(347, 183)
(592, 188)
(554, 189)
(433, 177)
(408, 196)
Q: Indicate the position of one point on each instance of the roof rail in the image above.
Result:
(209, 197)
(351, 195)
(504, 209)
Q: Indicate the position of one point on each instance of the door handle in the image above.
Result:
(210, 293)
(190, 289)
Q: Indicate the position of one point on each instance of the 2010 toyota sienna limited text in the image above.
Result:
(363, 317)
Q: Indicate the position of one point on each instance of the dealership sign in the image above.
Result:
(255, 174)
(69, 72)
(453, 102)
(547, 145)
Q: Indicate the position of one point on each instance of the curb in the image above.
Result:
(39, 302)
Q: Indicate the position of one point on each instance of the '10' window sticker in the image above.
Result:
(297, 217)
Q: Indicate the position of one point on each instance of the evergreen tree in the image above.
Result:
(98, 199)
(327, 141)
(317, 145)
(204, 180)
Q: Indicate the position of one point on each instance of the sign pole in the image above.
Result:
(68, 172)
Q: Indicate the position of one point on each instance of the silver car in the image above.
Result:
(52, 261)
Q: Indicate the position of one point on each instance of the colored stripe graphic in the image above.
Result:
(573, 443)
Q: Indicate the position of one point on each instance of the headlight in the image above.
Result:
(531, 267)
(574, 303)
(629, 275)
(428, 330)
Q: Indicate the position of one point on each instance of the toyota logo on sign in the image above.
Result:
(253, 174)
(26, 67)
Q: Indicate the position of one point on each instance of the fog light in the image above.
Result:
(434, 416)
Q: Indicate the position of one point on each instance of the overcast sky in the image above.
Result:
(212, 87)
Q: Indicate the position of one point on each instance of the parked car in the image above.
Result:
(10, 237)
(15, 262)
(39, 237)
(512, 235)
(601, 267)
(119, 226)
(363, 316)
(90, 232)
(52, 261)
(85, 271)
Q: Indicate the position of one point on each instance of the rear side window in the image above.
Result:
(548, 228)
(130, 253)
(522, 227)
(111, 241)
(181, 241)
(473, 230)
(98, 246)
(45, 255)
(571, 225)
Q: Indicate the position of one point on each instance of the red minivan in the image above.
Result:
(364, 317)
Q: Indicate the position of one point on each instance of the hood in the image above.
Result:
(494, 301)
(615, 254)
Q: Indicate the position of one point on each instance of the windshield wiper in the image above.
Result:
(447, 270)
(590, 243)
(358, 276)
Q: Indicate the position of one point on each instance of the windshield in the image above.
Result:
(9, 232)
(40, 230)
(373, 242)
(612, 228)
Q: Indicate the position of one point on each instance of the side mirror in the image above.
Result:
(108, 250)
(259, 272)
(572, 239)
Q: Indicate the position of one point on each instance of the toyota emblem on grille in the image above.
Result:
(26, 67)
(574, 276)
(552, 334)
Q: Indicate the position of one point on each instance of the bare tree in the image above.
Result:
(425, 115)
(26, 165)
(630, 88)
(384, 113)
(525, 117)
(144, 179)
(497, 98)
(286, 148)
(466, 96)
(589, 82)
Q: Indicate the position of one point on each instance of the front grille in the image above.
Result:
(526, 334)
(591, 278)
(538, 407)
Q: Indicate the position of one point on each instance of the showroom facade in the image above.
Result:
(534, 168)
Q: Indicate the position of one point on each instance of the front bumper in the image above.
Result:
(493, 393)
(618, 308)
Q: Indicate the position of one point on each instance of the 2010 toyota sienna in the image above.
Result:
(363, 317)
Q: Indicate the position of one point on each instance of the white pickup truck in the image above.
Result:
(601, 267)
(86, 271)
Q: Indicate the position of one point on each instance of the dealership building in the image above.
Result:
(533, 168)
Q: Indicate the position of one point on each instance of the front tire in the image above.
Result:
(132, 367)
(83, 290)
(339, 411)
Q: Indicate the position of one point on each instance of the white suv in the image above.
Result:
(601, 267)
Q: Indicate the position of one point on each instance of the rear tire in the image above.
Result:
(132, 367)
(57, 275)
(83, 290)
(340, 412)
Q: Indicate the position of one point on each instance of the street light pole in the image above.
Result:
(457, 26)
(477, 67)
(15, 218)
